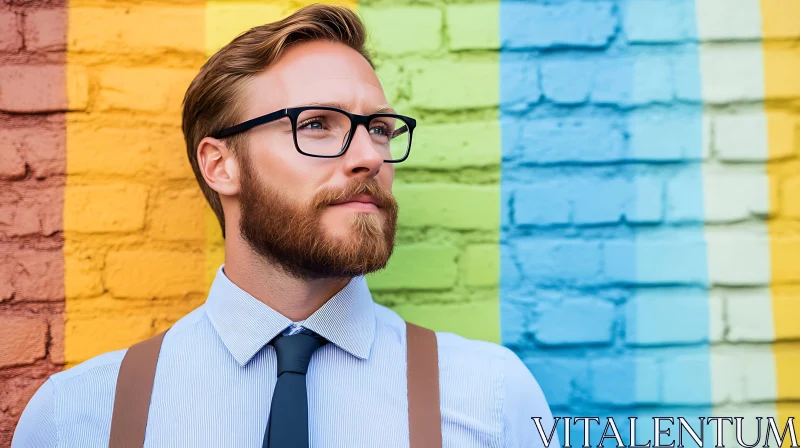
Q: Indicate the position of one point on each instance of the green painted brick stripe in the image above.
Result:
(474, 320)
(418, 266)
(450, 206)
(456, 145)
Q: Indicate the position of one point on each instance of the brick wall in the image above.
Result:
(32, 177)
(608, 187)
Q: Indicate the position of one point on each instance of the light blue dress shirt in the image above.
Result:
(216, 374)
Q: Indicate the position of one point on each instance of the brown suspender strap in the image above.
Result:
(138, 370)
(132, 397)
(424, 414)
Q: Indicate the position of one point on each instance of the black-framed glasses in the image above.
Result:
(322, 131)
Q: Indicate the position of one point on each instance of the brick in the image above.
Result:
(574, 321)
(10, 36)
(738, 259)
(741, 137)
(727, 20)
(781, 83)
(42, 148)
(633, 81)
(154, 151)
(514, 321)
(231, 18)
(7, 273)
(731, 197)
(86, 274)
(12, 165)
(477, 319)
(684, 204)
(625, 381)
(686, 80)
(779, 19)
(732, 73)
(26, 89)
(55, 348)
(149, 274)
(647, 204)
(759, 374)
(105, 208)
(46, 29)
(648, 21)
(785, 312)
(89, 337)
(389, 29)
(717, 317)
(418, 266)
(666, 317)
(567, 24)
(677, 259)
(543, 203)
(784, 261)
(726, 371)
(455, 85)
(520, 86)
(680, 388)
(664, 137)
(157, 90)
(749, 316)
(141, 29)
(599, 200)
(473, 26)
(24, 340)
(571, 140)
(457, 145)
(480, 265)
(39, 212)
(560, 379)
(567, 81)
(510, 275)
(39, 275)
(450, 206)
(393, 79)
(178, 216)
(560, 262)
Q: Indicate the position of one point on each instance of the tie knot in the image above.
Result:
(294, 352)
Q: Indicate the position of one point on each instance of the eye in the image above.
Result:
(311, 123)
(381, 129)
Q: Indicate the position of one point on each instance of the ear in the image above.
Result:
(219, 166)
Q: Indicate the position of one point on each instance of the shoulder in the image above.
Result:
(84, 391)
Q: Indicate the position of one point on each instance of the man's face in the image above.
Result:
(305, 213)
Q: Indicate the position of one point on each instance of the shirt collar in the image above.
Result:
(246, 325)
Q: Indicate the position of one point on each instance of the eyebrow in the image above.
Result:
(386, 109)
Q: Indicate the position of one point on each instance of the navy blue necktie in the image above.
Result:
(287, 426)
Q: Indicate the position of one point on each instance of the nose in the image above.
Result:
(362, 158)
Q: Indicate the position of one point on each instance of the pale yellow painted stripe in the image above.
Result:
(781, 33)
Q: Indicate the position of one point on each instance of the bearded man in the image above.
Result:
(294, 146)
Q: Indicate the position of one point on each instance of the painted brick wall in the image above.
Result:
(32, 44)
(602, 205)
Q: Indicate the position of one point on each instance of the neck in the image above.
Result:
(294, 298)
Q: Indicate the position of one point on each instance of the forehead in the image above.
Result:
(320, 72)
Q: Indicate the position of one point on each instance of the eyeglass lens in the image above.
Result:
(324, 133)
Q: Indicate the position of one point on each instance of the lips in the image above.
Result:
(363, 198)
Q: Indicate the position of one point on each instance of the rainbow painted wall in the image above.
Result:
(609, 187)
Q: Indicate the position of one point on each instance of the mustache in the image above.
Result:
(383, 196)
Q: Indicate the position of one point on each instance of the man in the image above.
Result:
(293, 144)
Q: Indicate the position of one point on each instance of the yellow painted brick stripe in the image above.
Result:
(781, 34)
(133, 217)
